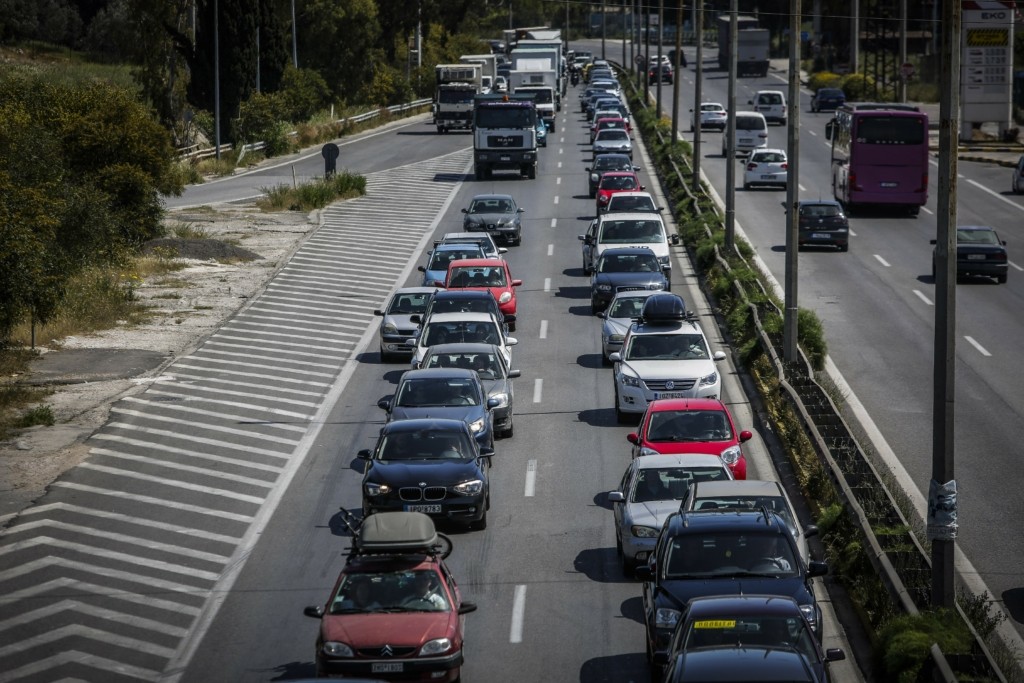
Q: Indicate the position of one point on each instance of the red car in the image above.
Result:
(491, 274)
(691, 425)
(395, 612)
(608, 122)
(616, 181)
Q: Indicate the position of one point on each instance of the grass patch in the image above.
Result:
(188, 231)
(312, 195)
(224, 167)
(167, 295)
(173, 282)
(61, 65)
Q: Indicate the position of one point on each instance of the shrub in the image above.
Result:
(824, 79)
(858, 86)
(303, 93)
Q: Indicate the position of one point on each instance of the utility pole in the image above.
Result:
(295, 40)
(677, 76)
(855, 38)
(697, 97)
(730, 135)
(604, 32)
(661, 39)
(903, 50)
(789, 324)
(216, 76)
(625, 34)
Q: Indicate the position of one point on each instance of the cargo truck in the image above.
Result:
(504, 135)
(542, 84)
(752, 44)
(457, 85)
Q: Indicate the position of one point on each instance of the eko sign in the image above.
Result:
(986, 61)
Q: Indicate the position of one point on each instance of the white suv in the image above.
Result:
(664, 355)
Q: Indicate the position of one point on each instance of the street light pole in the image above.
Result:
(730, 135)
(216, 76)
(789, 324)
(295, 41)
(697, 94)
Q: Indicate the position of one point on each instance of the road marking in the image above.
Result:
(556, 199)
(543, 329)
(922, 297)
(995, 194)
(518, 607)
(812, 133)
(551, 250)
(927, 211)
(1015, 265)
(559, 164)
(547, 284)
(554, 222)
(538, 386)
(852, 233)
(560, 150)
(531, 478)
(558, 180)
(882, 260)
(801, 186)
(981, 349)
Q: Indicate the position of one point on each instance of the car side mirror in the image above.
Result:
(933, 241)
(616, 497)
(487, 451)
(410, 342)
(379, 312)
(643, 187)
(675, 239)
(511, 341)
(834, 654)
(746, 435)
(467, 607)
(644, 573)
(384, 404)
(465, 211)
(615, 357)
(583, 238)
(636, 168)
(520, 210)
(750, 101)
(315, 611)
(363, 454)
(633, 438)
(493, 403)
(810, 530)
(718, 356)
(421, 269)
(517, 283)
(601, 314)
(816, 568)
(512, 374)
(829, 127)
(509, 318)
(502, 250)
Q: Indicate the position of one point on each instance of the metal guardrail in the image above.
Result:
(196, 153)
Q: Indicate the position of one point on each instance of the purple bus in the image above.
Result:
(879, 155)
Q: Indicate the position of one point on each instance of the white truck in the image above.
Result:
(551, 49)
(539, 80)
(752, 44)
(457, 85)
(489, 64)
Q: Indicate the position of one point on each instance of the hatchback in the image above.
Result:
(822, 223)
(614, 140)
(827, 99)
(712, 115)
(489, 274)
(766, 167)
(604, 163)
(614, 182)
(396, 323)
(665, 73)
(497, 215)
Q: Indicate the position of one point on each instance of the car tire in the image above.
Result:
(512, 327)
(746, 186)
(620, 416)
(844, 247)
(532, 173)
(594, 307)
(386, 357)
(507, 433)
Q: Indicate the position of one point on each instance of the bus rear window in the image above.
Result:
(890, 130)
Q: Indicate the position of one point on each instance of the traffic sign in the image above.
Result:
(907, 70)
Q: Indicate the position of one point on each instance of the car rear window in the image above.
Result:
(750, 123)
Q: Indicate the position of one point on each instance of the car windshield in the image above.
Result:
(476, 304)
(434, 391)
(667, 347)
(491, 205)
(712, 108)
(618, 182)
(483, 243)
(390, 591)
(626, 307)
(612, 135)
(976, 237)
(629, 204)
(425, 444)
(776, 504)
(457, 332)
(628, 263)
(689, 425)
(729, 553)
(611, 162)
(631, 232)
(750, 123)
(440, 259)
(407, 304)
(736, 630)
(487, 365)
(477, 276)
(670, 483)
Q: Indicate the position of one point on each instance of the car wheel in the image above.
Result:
(532, 173)
(605, 361)
(594, 307)
(507, 433)
(386, 357)
(746, 186)
(845, 247)
(620, 416)
(512, 327)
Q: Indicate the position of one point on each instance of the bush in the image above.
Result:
(303, 93)
(906, 640)
(824, 79)
(258, 117)
(858, 87)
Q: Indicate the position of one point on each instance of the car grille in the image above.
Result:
(677, 384)
(394, 651)
(414, 493)
(408, 333)
(631, 288)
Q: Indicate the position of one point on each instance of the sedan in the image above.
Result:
(979, 251)
(665, 73)
(691, 425)
(603, 164)
(463, 301)
(613, 140)
(490, 274)
(613, 182)
(603, 120)
(495, 374)
(622, 312)
(497, 215)
(712, 115)
(649, 492)
(623, 270)
(433, 466)
(397, 325)
(766, 167)
(827, 99)
(446, 392)
(823, 223)
(482, 239)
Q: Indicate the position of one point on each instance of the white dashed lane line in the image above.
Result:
(922, 297)
(531, 478)
(554, 222)
(538, 388)
(556, 199)
(543, 329)
(518, 609)
(551, 250)
(882, 261)
(547, 284)
(981, 349)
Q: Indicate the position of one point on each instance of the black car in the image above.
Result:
(622, 270)
(433, 466)
(604, 163)
(827, 99)
(979, 251)
(665, 73)
(464, 301)
(444, 392)
(722, 553)
(822, 223)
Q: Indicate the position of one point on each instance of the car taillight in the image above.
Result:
(924, 183)
(751, 167)
(785, 166)
(852, 181)
(998, 257)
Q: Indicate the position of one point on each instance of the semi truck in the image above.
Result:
(457, 85)
(541, 83)
(504, 134)
(752, 44)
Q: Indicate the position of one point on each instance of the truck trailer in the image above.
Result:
(752, 44)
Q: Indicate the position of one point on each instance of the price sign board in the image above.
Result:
(986, 62)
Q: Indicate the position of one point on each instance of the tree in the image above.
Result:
(338, 40)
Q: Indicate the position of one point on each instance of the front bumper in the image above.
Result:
(636, 550)
(508, 233)
(459, 509)
(444, 669)
(635, 399)
(513, 158)
(395, 344)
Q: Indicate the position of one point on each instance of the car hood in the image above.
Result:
(674, 447)
(400, 320)
(672, 368)
(464, 413)
(408, 629)
(736, 663)
(434, 472)
(628, 279)
(612, 144)
(617, 325)
(676, 593)
(490, 217)
(652, 513)
(495, 386)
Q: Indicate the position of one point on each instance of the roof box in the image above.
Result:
(397, 532)
(664, 307)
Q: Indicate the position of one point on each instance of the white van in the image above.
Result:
(645, 229)
(751, 133)
(771, 104)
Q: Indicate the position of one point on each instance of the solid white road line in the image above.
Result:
(531, 478)
(927, 210)
(922, 297)
(543, 329)
(518, 608)
(881, 260)
(981, 349)
(1014, 265)
(538, 386)
(995, 194)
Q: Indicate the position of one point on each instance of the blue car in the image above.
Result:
(436, 270)
(542, 133)
(827, 99)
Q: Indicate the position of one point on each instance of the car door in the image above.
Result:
(589, 246)
(618, 509)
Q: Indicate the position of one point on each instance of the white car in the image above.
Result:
(649, 492)
(632, 202)
(500, 84)
(751, 133)
(766, 167)
(612, 140)
(639, 229)
(484, 239)
(620, 315)
(712, 115)
(458, 328)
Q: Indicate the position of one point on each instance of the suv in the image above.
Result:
(721, 553)
(751, 133)
(664, 355)
(771, 104)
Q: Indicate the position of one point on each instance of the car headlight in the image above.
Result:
(811, 615)
(665, 617)
(630, 380)
(603, 199)
(476, 425)
(505, 297)
(665, 261)
(373, 489)
(604, 288)
(709, 380)
(594, 177)
(731, 455)
(333, 648)
(647, 450)
(502, 399)
(435, 647)
(643, 531)
(617, 338)
(470, 488)
(388, 328)
(656, 286)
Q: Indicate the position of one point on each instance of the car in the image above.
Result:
(376, 620)
(771, 104)
(588, 93)
(450, 328)
(632, 201)
(625, 307)
(750, 494)
(751, 133)
(542, 133)
(664, 355)
(610, 113)
(495, 374)
(628, 230)
(753, 638)
(463, 301)
(486, 83)
(700, 554)
(440, 256)
(665, 73)
(624, 269)
(672, 58)
(613, 182)
(618, 106)
(979, 252)
(428, 465)
(604, 163)
(496, 214)
(822, 223)
(612, 140)
(490, 274)
(500, 84)
(484, 239)
(691, 425)
(650, 490)
(712, 115)
(396, 323)
(827, 99)
(610, 86)
(598, 102)
(447, 392)
(1017, 186)
(601, 122)
(766, 167)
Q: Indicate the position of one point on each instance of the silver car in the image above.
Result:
(750, 494)
(396, 326)
(497, 215)
(494, 372)
(649, 492)
(624, 309)
(613, 140)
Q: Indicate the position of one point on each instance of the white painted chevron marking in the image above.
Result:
(212, 427)
(204, 471)
(118, 438)
(216, 443)
(118, 517)
(139, 476)
(254, 375)
(85, 608)
(262, 366)
(83, 660)
(254, 353)
(152, 584)
(192, 398)
(149, 500)
(66, 583)
(209, 383)
(192, 410)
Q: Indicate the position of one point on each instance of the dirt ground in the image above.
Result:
(243, 250)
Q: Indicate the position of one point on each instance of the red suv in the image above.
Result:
(613, 182)
(691, 425)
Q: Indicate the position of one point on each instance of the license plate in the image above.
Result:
(889, 184)
(387, 668)
(670, 394)
(505, 157)
(819, 236)
(428, 509)
(975, 257)
(768, 177)
(746, 141)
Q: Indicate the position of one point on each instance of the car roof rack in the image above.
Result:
(396, 533)
(665, 307)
